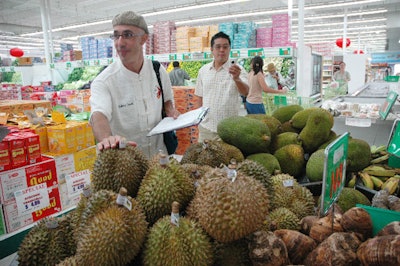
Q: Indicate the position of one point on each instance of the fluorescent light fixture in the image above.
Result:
(342, 4)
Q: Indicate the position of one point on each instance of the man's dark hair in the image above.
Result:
(220, 35)
(175, 64)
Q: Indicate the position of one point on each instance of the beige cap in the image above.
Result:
(271, 67)
(130, 18)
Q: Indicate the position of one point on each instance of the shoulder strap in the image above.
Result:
(156, 67)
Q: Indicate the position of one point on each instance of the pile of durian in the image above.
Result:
(214, 207)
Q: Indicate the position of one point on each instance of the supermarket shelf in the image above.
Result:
(286, 51)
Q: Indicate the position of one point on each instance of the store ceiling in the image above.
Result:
(21, 20)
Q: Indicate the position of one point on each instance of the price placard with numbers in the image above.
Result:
(76, 182)
(334, 171)
(32, 198)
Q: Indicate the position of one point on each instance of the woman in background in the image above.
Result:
(257, 85)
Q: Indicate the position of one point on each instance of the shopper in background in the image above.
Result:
(257, 84)
(342, 77)
(219, 86)
(126, 98)
(178, 75)
(273, 78)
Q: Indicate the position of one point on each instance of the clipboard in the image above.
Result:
(187, 119)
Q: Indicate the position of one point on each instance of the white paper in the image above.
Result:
(188, 119)
(32, 199)
(76, 182)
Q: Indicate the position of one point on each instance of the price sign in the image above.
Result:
(76, 182)
(86, 63)
(186, 56)
(387, 105)
(334, 171)
(32, 199)
(285, 51)
(280, 100)
(172, 57)
(3, 69)
(235, 53)
(255, 52)
(208, 55)
(68, 64)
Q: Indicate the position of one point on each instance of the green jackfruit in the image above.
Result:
(287, 127)
(274, 125)
(248, 134)
(315, 166)
(299, 119)
(349, 197)
(285, 113)
(331, 138)
(358, 155)
(284, 139)
(267, 160)
(317, 130)
(291, 159)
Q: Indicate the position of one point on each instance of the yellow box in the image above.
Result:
(80, 128)
(62, 138)
(84, 159)
(44, 141)
(90, 140)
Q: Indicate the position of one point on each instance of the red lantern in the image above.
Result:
(339, 42)
(16, 52)
(358, 52)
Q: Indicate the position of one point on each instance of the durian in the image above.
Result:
(208, 152)
(116, 168)
(281, 218)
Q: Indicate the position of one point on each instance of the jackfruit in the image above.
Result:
(116, 168)
(358, 155)
(349, 197)
(315, 166)
(224, 208)
(283, 139)
(299, 119)
(291, 159)
(316, 131)
(170, 245)
(249, 135)
(274, 125)
(267, 160)
(162, 185)
(331, 138)
(287, 127)
(285, 113)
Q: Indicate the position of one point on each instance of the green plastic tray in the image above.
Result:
(380, 217)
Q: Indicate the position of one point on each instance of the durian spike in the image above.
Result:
(205, 143)
(175, 213)
(122, 196)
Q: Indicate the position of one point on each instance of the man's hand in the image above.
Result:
(113, 142)
(235, 70)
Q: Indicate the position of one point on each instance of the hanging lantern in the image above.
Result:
(358, 52)
(16, 52)
(339, 42)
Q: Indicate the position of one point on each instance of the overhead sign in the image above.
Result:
(334, 171)
(388, 57)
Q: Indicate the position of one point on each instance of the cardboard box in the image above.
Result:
(5, 157)
(15, 221)
(23, 177)
(62, 138)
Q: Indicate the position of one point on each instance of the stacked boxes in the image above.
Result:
(183, 35)
(10, 92)
(162, 37)
(281, 30)
(185, 101)
(23, 179)
(25, 61)
(264, 37)
(245, 36)
(197, 44)
(86, 46)
(228, 28)
(104, 48)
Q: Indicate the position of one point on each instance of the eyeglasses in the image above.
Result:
(125, 35)
(224, 47)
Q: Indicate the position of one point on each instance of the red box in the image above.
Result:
(5, 158)
(14, 221)
(23, 177)
(32, 144)
(16, 145)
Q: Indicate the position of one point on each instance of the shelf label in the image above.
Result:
(334, 171)
(68, 64)
(86, 63)
(280, 100)
(387, 105)
(186, 56)
(358, 122)
(52, 66)
(208, 55)
(285, 51)
(32, 199)
(255, 52)
(172, 57)
(110, 60)
(151, 57)
(3, 69)
(235, 53)
(76, 182)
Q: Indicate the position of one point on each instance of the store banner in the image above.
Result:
(388, 57)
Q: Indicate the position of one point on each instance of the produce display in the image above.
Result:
(240, 199)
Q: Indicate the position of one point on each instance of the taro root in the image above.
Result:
(380, 250)
(266, 249)
(339, 249)
(359, 221)
(324, 227)
(392, 228)
(297, 244)
(306, 223)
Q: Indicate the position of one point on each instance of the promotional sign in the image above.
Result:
(32, 198)
(387, 105)
(334, 171)
(76, 182)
